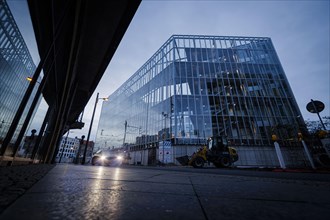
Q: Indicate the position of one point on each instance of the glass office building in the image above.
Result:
(195, 87)
(16, 65)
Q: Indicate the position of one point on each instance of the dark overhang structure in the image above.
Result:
(76, 40)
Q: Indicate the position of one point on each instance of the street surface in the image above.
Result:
(96, 192)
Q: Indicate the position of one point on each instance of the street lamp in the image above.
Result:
(81, 142)
(29, 78)
(29, 140)
(20, 110)
(90, 127)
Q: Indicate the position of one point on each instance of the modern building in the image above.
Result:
(16, 65)
(195, 87)
(68, 150)
(72, 148)
(66, 40)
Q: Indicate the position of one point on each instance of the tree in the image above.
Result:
(314, 127)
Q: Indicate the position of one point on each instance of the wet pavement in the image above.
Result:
(16, 180)
(96, 192)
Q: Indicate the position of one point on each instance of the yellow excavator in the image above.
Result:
(216, 151)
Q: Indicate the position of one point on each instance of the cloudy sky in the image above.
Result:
(299, 31)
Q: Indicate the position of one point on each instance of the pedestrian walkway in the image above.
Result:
(16, 180)
(96, 192)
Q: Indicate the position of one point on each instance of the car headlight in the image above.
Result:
(102, 157)
(119, 157)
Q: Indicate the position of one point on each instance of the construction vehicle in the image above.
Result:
(216, 152)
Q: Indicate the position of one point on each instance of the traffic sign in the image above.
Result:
(315, 106)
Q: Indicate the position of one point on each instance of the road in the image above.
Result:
(96, 192)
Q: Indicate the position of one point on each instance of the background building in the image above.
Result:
(195, 87)
(16, 65)
(68, 150)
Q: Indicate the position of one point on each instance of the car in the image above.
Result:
(105, 160)
(107, 157)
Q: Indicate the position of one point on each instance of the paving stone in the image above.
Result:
(91, 192)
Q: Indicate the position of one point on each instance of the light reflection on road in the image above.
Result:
(117, 174)
(104, 192)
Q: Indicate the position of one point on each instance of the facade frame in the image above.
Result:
(198, 86)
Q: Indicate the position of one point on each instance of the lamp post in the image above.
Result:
(78, 152)
(90, 127)
(28, 116)
(30, 140)
(20, 110)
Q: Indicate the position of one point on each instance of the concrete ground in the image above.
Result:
(96, 192)
(16, 180)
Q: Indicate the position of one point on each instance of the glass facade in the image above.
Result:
(16, 65)
(195, 87)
